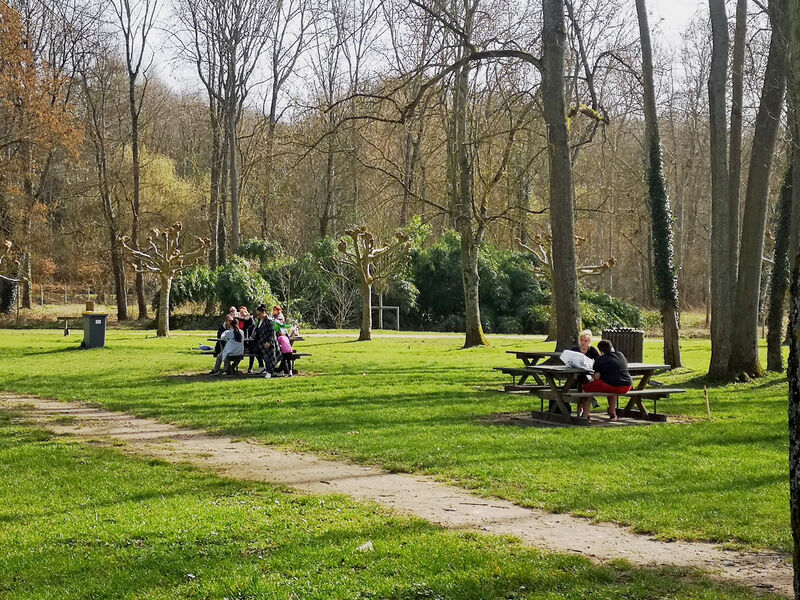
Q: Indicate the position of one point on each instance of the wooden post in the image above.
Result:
(41, 290)
(380, 311)
(708, 406)
(65, 293)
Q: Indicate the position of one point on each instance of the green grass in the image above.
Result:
(80, 521)
(416, 405)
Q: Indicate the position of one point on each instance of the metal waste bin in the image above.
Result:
(627, 340)
(94, 329)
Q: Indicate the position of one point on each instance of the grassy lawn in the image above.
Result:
(416, 405)
(86, 522)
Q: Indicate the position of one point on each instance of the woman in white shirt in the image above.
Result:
(233, 347)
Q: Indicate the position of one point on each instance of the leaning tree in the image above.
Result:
(371, 263)
(165, 257)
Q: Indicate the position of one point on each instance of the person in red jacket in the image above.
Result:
(611, 377)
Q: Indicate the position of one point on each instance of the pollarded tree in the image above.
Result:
(166, 258)
(371, 263)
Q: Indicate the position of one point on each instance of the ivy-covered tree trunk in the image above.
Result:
(562, 215)
(365, 335)
(163, 305)
(744, 359)
(780, 276)
(666, 283)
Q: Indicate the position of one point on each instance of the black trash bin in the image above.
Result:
(94, 329)
(627, 340)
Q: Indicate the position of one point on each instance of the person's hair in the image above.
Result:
(237, 334)
(605, 346)
(278, 308)
(261, 308)
(242, 308)
(586, 333)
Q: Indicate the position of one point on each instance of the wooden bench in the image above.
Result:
(523, 373)
(66, 320)
(238, 358)
(634, 408)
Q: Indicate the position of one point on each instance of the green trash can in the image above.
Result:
(94, 329)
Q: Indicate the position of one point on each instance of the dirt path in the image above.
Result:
(419, 495)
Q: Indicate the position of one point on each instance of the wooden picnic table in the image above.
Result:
(528, 359)
(562, 380)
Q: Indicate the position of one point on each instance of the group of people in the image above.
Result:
(264, 336)
(611, 375)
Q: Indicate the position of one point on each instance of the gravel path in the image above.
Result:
(414, 494)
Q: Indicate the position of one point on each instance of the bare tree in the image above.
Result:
(722, 287)
(165, 257)
(744, 358)
(136, 19)
(101, 79)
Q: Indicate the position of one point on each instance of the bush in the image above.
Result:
(238, 285)
(538, 319)
(600, 311)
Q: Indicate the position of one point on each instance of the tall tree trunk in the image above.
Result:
(794, 308)
(233, 177)
(780, 276)
(330, 193)
(222, 205)
(365, 335)
(465, 225)
(26, 260)
(661, 215)
(744, 357)
(269, 174)
(118, 273)
(722, 192)
(214, 195)
(163, 306)
(735, 162)
(137, 195)
(562, 216)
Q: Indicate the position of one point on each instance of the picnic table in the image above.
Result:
(528, 359)
(66, 319)
(237, 359)
(564, 384)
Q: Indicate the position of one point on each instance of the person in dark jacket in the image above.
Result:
(265, 343)
(611, 377)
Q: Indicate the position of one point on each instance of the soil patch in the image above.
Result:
(525, 419)
(445, 505)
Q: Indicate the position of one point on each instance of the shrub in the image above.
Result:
(238, 284)
(600, 311)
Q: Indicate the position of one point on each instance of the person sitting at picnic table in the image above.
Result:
(220, 330)
(611, 378)
(286, 353)
(585, 345)
(233, 345)
(265, 344)
(277, 315)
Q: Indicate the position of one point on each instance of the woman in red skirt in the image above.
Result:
(611, 377)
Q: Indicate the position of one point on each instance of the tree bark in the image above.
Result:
(780, 276)
(118, 273)
(794, 309)
(722, 191)
(666, 284)
(163, 306)
(735, 162)
(562, 216)
(233, 176)
(365, 335)
(137, 194)
(744, 358)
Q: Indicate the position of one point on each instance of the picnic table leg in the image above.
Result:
(528, 362)
(561, 406)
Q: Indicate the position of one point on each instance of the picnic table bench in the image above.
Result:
(66, 320)
(564, 385)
